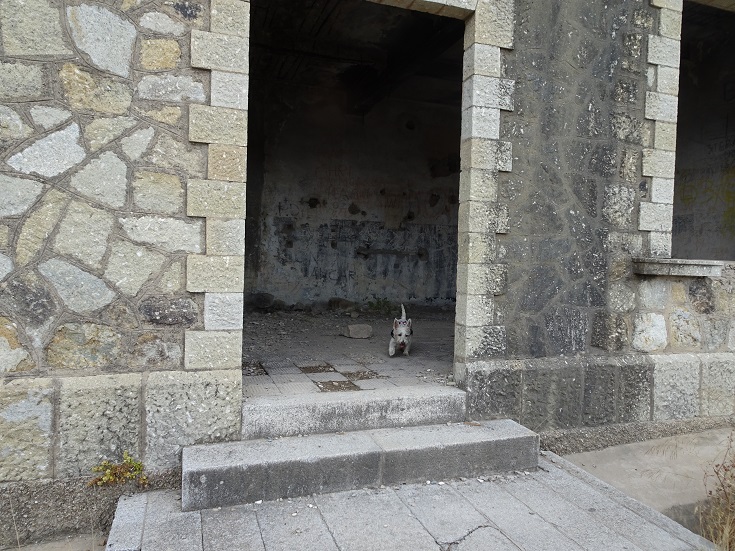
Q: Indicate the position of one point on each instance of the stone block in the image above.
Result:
(230, 89)
(599, 394)
(223, 311)
(659, 163)
(660, 244)
(170, 234)
(212, 350)
(483, 217)
(718, 384)
(130, 266)
(495, 389)
(154, 351)
(32, 28)
(126, 533)
(215, 199)
(357, 331)
(609, 331)
(661, 107)
(481, 122)
(664, 136)
(158, 54)
(220, 52)
(675, 386)
(475, 310)
(169, 311)
(663, 51)
(51, 155)
(22, 82)
(476, 248)
(567, 329)
(215, 274)
(479, 154)
(225, 237)
(99, 419)
(230, 17)
(158, 193)
(552, 395)
(81, 291)
(227, 162)
(185, 408)
(26, 419)
(476, 184)
(649, 332)
(488, 92)
(634, 392)
(218, 125)
(667, 80)
(170, 88)
(493, 23)
(662, 190)
(487, 342)
(655, 217)
(481, 279)
(505, 156)
(85, 90)
(685, 331)
(481, 59)
(669, 23)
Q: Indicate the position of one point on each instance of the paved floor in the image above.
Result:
(558, 507)
(297, 353)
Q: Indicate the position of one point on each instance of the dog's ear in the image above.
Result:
(395, 323)
(408, 321)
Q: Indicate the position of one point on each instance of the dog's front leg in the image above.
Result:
(392, 347)
(408, 347)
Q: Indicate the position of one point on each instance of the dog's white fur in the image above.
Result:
(400, 336)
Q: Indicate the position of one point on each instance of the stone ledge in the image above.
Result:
(677, 267)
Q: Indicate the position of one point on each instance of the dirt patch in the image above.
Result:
(336, 386)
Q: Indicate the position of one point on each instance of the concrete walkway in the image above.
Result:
(557, 507)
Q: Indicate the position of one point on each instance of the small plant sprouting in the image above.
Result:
(119, 473)
(717, 517)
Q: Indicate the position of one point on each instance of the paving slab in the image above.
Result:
(294, 524)
(231, 528)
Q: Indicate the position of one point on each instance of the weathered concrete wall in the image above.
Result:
(360, 208)
(107, 343)
(704, 195)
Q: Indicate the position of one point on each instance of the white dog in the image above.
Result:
(400, 335)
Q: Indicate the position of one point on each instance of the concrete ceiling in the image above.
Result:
(728, 5)
(364, 50)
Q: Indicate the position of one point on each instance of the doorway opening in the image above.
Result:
(353, 177)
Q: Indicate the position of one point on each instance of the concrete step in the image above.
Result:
(293, 415)
(231, 473)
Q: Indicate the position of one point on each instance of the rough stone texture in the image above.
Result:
(153, 351)
(17, 195)
(493, 23)
(170, 88)
(227, 162)
(103, 130)
(21, 82)
(26, 298)
(48, 117)
(37, 227)
(13, 356)
(162, 24)
(226, 237)
(358, 331)
(230, 90)
(83, 233)
(717, 390)
(215, 274)
(189, 408)
(170, 234)
(169, 311)
(84, 346)
(85, 90)
(158, 54)
(219, 52)
(81, 291)
(216, 199)
(218, 125)
(158, 192)
(230, 17)
(137, 143)
(676, 386)
(130, 266)
(655, 217)
(52, 155)
(170, 153)
(685, 331)
(213, 350)
(649, 332)
(31, 28)
(223, 311)
(12, 127)
(104, 180)
(104, 36)
(98, 420)
(26, 425)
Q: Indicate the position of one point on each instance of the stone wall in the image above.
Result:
(119, 196)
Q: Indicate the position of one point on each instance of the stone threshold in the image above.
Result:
(682, 267)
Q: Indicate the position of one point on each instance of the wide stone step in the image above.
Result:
(232, 473)
(276, 416)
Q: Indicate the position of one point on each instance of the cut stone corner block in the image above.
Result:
(230, 17)
(493, 23)
(189, 407)
(215, 274)
(488, 342)
(676, 379)
(213, 350)
(217, 51)
(218, 125)
(215, 199)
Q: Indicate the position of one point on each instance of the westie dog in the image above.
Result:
(400, 335)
